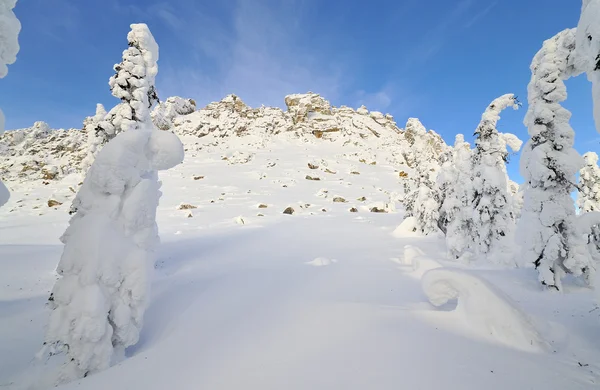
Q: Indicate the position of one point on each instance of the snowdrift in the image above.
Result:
(485, 308)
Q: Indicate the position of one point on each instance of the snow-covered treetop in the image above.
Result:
(491, 115)
(9, 33)
(590, 159)
(134, 79)
(552, 64)
(488, 140)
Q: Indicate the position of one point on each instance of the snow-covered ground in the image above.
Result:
(247, 297)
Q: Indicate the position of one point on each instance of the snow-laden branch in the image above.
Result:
(9, 47)
(587, 51)
(9, 34)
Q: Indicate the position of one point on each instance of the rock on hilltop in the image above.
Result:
(39, 153)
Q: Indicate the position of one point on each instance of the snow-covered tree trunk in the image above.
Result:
(493, 220)
(548, 235)
(456, 207)
(588, 199)
(99, 301)
(9, 47)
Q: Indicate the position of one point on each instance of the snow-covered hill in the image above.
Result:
(282, 266)
(309, 118)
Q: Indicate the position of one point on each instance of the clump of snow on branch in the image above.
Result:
(99, 302)
(9, 34)
(483, 307)
(493, 218)
(587, 52)
(548, 235)
(9, 47)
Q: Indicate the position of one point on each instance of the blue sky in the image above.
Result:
(442, 61)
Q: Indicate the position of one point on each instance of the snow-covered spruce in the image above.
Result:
(99, 302)
(133, 83)
(587, 52)
(422, 198)
(456, 211)
(9, 47)
(547, 232)
(492, 227)
(588, 199)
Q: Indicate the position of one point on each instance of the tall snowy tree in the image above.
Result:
(423, 198)
(9, 47)
(133, 83)
(588, 198)
(456, 178)
(99, 300)
(549, 238)
(493, 219)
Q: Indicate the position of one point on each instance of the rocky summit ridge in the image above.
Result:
(41, 153)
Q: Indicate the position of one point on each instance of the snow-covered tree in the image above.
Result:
(493, 219)
(95, 136)
(588, 198)
(587, 52)
(456, 178)
(549, 238)
(133, 83)
(9, 47)
(422, 199)
(99, 301)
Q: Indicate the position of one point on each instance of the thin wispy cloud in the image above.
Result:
(480, 14)
(57, 28)
(435, 38)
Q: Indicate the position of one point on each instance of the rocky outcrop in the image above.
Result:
(41, 153)
(165, 112)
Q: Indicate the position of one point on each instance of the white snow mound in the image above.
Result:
(485, 308)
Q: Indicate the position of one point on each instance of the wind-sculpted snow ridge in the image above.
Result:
(39, 153)
(484, 307)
